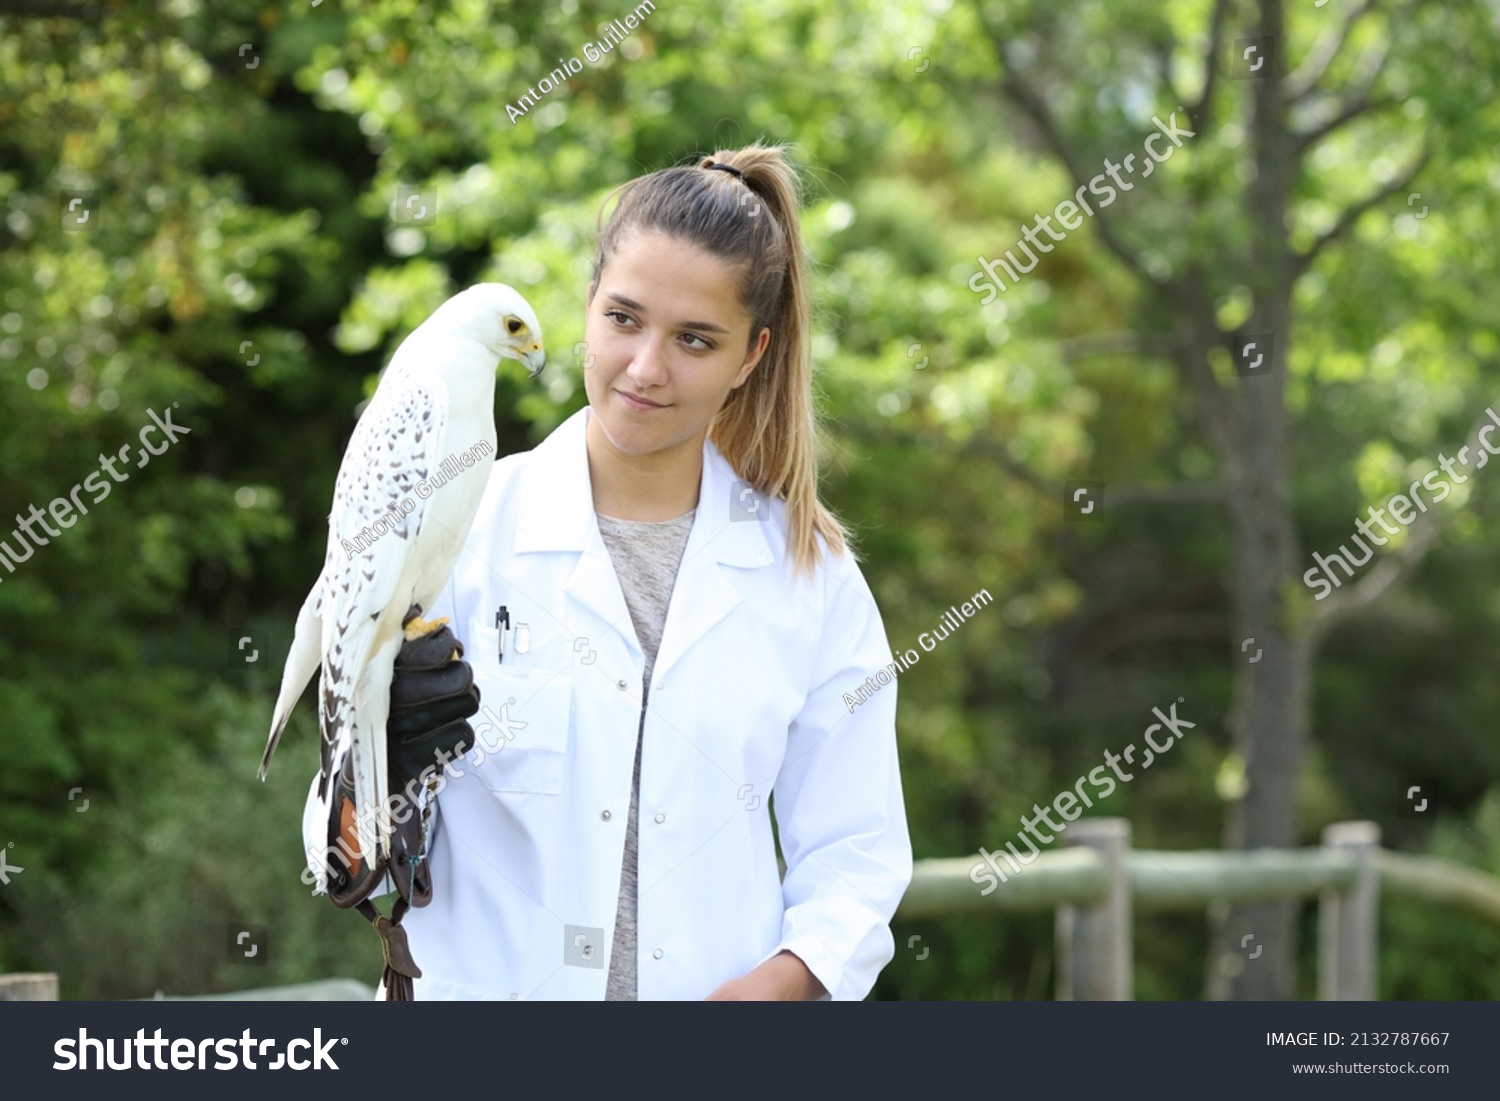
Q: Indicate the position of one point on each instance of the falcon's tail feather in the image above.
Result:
(366, 705)
(301, 663)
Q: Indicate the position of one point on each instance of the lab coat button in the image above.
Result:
(604, 814)
(657, 954)
(661, 817)
(621, 685)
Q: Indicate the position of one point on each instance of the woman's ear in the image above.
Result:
(752, 358)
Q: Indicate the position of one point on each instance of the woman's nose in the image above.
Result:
(648, 367)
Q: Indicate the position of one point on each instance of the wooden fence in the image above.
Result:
(1096, 882)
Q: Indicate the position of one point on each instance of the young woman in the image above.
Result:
(663, 622)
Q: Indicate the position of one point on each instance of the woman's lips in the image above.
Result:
(639, 403)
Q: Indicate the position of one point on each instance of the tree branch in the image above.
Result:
(1358, 102)
(1303, 260)
(1199, 110)
(1391, 568)
(1193, 336)
(1353, 108)
(987, 448)
(1164, 48)
(1305, 77)
(1032, 106)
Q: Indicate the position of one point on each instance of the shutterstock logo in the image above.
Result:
(1158, 149)
(1075, 799)
(1400, 508)
(142, 1053)
(65, 511)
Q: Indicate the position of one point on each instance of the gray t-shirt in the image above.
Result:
(646, 555)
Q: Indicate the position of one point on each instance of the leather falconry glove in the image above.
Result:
(432, 695)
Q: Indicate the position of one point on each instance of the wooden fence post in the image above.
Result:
(1348, 921)
(40, 987)
(1094, 954)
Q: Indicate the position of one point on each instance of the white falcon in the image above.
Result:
(402, 507)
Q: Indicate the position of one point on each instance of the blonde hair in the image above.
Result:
(768, 427)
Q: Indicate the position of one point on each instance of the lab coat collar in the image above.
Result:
(557, 503)
(557, 514)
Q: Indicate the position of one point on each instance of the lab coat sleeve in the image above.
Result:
(317, 843)
(838, 802)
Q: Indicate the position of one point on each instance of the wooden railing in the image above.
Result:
(1096, 882)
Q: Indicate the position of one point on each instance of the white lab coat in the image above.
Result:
(747, 699)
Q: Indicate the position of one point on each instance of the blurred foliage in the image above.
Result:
(245, 269)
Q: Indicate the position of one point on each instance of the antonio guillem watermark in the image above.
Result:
(390, 520)
(951, 621)
(612, 34)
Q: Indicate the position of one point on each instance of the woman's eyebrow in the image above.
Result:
(631, 303)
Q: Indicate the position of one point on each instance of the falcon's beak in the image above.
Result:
(534, 361)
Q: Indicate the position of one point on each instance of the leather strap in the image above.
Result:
(409, 874)
(400, 968)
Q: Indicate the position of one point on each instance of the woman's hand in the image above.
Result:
(782, 978)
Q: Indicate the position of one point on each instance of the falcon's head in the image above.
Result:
(504, 322)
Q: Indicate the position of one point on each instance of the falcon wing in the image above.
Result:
(394, 446)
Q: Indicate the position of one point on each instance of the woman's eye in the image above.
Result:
(701, 346)
(617, 316)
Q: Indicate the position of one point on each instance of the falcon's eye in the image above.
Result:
(514, 326)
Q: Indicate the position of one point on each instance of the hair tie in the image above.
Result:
(726, 168)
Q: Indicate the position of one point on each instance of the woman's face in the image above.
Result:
(667, 341)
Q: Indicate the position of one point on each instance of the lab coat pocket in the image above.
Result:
(521, 731)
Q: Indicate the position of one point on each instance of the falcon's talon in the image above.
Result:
(416, 627)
